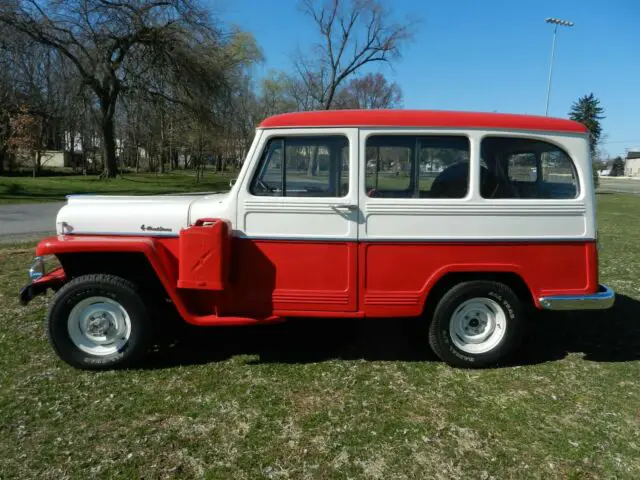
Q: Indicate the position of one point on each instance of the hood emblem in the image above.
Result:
(149, 228)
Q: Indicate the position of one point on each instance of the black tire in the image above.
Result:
(112, 287)
(440, 337)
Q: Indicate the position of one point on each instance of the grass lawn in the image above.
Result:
(54, 188)
(335, 399)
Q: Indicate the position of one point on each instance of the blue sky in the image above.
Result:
(489, 55)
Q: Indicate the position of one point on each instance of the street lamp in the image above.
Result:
(555, 22)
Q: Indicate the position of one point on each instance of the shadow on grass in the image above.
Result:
(605, 336)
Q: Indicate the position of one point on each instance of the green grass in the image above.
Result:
(334, 399)
(55, 188)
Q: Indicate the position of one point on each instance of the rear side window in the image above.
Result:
(417, 166)
(315, 166)
(526, 168)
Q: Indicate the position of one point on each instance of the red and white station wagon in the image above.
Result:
(465, 219)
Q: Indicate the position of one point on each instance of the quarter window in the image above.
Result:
(303, 167)
(525, 168)
(417, 166)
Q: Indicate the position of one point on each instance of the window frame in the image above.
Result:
(283, 134)
(540, 173)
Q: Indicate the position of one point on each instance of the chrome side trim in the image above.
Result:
(603, 299)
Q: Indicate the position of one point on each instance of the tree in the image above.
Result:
(354, 34)
(587, 110)
(369, 92)
(25, 136)
(277, 95)
(617, 168)
(117, 46)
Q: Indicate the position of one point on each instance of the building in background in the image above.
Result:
(632, 163)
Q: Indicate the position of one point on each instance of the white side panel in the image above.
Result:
(476, 218)
(117, 215)
(445, 225)
(327, 218)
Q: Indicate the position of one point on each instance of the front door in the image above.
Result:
(297, 225)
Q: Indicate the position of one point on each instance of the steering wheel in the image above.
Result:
(263, 186)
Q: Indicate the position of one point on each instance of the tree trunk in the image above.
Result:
(171, 164)
(36, 163)
(108, 108)
(162, 144)
(109, 148)
(313, 162)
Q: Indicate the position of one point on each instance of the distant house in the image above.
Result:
(605, 171)
(632, 163)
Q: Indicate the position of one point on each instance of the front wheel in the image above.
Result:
(99, 322)
(477, 324)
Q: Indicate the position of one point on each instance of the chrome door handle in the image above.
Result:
(344, 206)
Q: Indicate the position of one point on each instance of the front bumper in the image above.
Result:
(53, 280)
(603, 299)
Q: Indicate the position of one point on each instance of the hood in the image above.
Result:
(155, 215)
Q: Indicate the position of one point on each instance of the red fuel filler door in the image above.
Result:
(205, 254)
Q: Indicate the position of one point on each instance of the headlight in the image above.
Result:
(36, 270)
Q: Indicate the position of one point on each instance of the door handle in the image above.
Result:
(344, 206)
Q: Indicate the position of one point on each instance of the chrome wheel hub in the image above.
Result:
(478, 325)
(99, 326)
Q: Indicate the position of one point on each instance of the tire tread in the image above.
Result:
(508, 344)
(95, 279)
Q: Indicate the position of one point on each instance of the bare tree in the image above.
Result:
(354, 33)
(119, 45)
(370, 92)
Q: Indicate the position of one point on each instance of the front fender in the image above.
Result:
(148, 246)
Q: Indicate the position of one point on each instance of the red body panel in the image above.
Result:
(421, 118)
(271, 279)
(205, 256)
(269, 276)
(396, 278)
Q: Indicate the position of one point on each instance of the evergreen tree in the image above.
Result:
(587, 110)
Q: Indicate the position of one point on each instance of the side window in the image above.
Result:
(388, 166)
(315, 166)
(444, 167)
(526, 168)
(417, 166)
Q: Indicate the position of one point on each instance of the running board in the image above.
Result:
(216, 321)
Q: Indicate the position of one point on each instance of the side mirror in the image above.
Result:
(232, 182)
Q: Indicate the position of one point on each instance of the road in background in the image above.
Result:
(619, 185)
(21, 222)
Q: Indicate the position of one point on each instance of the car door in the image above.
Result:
(297, 223)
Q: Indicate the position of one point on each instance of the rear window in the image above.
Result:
(526, 168)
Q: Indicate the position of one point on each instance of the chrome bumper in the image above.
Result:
(602, 300)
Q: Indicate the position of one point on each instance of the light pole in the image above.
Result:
(555, 22)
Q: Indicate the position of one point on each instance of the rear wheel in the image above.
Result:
(99, 322)
(477, 324)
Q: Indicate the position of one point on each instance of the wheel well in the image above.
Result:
(445, 283)
(132, 266)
